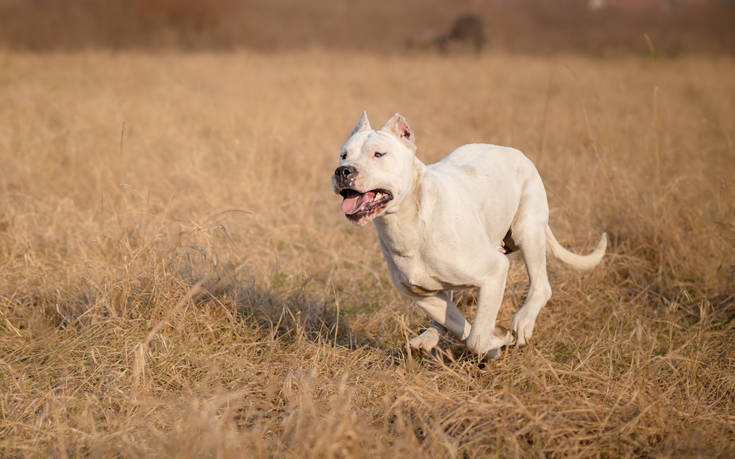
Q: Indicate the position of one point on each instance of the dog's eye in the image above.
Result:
(343, 156)
(378, 154)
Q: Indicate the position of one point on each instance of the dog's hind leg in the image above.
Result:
(531, 239)
(445, 314)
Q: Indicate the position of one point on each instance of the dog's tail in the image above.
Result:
(578, 262)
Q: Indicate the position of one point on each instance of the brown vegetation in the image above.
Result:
(528, 26)
(177, 280)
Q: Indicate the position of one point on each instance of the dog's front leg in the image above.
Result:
(484, 338)
(445, 314)
(428, 340)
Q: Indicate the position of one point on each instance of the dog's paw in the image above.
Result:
(490, 344)
(426, 341)
(522, 325)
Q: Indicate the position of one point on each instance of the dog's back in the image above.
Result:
(483, 162)
(489, 181)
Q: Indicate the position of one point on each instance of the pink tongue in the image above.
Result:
(353, 204)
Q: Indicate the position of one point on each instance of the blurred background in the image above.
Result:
(598, 27)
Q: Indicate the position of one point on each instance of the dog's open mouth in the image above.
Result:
(363, 207)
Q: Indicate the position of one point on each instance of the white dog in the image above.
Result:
(447, 226)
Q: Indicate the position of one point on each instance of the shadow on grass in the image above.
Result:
(284, 315)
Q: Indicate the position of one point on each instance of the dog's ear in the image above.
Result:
(363, 124)
(398, 126)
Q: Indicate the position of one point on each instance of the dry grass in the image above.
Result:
(176, 278)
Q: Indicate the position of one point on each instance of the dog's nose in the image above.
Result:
(345, 172)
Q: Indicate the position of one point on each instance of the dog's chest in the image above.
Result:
(410, 275)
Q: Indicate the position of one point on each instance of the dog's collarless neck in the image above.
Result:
(399, 230)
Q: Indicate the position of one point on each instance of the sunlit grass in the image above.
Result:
(176, 278)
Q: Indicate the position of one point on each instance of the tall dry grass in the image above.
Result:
(176, 278)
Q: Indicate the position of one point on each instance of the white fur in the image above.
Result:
(443, 228)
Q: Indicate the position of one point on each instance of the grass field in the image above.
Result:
(176, 278)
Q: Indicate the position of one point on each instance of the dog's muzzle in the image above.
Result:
(345, 176)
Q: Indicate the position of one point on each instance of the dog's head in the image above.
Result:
(375, 168)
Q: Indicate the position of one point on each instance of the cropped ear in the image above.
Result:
(363, 124)
(398, 126)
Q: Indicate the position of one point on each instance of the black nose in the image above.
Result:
(345, 172)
